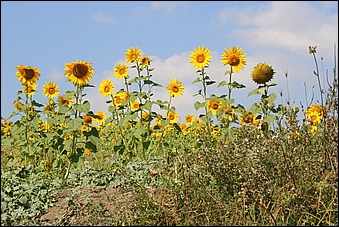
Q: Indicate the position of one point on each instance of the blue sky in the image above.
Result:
(48, 34)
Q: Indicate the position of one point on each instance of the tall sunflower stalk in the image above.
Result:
(79, 73)
(200, 59)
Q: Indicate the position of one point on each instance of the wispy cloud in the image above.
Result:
(103, 18)
(168, 6)
(56, 74)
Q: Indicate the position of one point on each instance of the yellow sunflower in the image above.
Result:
(145, 61)
(315, 114)
(63, 100)
(88, 119)
(106, 88)
(235, 57)
(121, 71)
(200, 57)
(213, 106)
(173, 117)
(133, 55)
(79, 72)
(262, 73)
(248, 118)
(18, 106)
(175, 88)
(101, 117)
(189, 119)
(135, 105)
(30, 89)
(27, 74)
(50, 89)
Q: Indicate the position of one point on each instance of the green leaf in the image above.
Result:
(196, 80)
(222, 83)
(254, 92)
(198, 105)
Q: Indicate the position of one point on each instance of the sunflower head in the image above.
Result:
(189, 119)
(213, 106)
(101, 117)
(79, 72)
(121, 71)
(133, 55)
(88, 119)
(145, 61)
(175, 88)
(200, 57)
(106, 88)
(27, 74)
(65, 100)
(262, 73)
(173, 117)
(30, 88)
(50, 89)
(135, 105)
(235, 57)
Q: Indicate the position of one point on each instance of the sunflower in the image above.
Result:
(145, 61)
(213, 106)
(27, 74)
(121, 71)
(235, 57)
(249, 118)
(18, 106)
(175, 88)
(63, 100)
(135, 105)
(173, 117)
(101, 117)
(50, 89)
(133, 55)
(262, 73)
(315, 114)
(106, 88)
(88, 119)
(79, 72)
(189, 119)
(30, 89)
(200, 57)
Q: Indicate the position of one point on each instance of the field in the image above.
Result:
(63, 164)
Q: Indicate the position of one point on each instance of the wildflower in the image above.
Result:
(173, 117)
(189, 119)
(63, 100)
(79, 72)
(262, 73)
(312, 50)
(121, 71)
(88, 119)
(235, 57)
(314, 109)
(213, 106)
(101, 117)
(50, 89)
(175, 88)
(200, 57)
(248, 118)
(135, 105)
(30, 88)
(106, 88)
(145, 61)
(145, 116)
(133, 55)
(27, 74)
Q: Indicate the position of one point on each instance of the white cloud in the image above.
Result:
(56, 74)
(103, 18)
(168, 6)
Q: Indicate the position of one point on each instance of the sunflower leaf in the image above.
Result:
(196, 80)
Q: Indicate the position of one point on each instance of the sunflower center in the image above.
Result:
(80, 70)
(51, 90)
(215, 106)
(134, 57)
(106, 89)
(248, 118)
(234, 60)
(29, 74)
(200, 58)
(171, 117)
(121, 71)
(175, 89)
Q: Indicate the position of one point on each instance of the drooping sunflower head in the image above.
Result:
(79, 72)
(235, 57)
(133, 55)
(200, 57)
(189, 119)
(106, 88)
(27, 74)
(121, 71)
(173, 117)
(145, 61)
(65, 100)
(50, 89)
(30, 89)
(175, 88)
(18, 105)
(262, 73)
